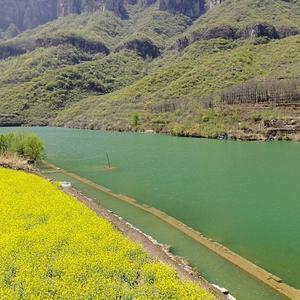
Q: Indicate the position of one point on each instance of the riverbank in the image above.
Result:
(48, 250)
(269, 279)
(151, 246)
(15, 163)
(244, 122)
(228, 122)
(284, 133)
(155, 249)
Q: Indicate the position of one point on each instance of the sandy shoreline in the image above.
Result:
(268, 278)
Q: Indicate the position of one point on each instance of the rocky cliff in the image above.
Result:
(193, 9)
(26, 14)
(19, 15)
(66, 7)
(213, 3)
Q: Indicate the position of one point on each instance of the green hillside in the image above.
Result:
(106, 28)
(39, 97)
(173, 98)
(158, 70)
(243, 12)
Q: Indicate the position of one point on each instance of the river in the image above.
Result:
(245, 195)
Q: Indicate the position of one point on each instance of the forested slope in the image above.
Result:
(157, 65)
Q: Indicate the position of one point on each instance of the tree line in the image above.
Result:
(285, 91)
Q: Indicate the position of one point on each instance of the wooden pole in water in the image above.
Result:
(108, 161)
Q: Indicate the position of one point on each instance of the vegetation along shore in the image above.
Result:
(225, 69)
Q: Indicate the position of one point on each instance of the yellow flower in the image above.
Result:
(53, 247)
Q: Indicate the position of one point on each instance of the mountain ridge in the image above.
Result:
(20, 15)
(98, 69)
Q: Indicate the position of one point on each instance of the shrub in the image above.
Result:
(5, 141)
(34, 147)
(135, 119)
(26, 145)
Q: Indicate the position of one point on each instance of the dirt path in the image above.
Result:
(268, 278)
(151, 246)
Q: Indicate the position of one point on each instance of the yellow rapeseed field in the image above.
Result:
(53, 247)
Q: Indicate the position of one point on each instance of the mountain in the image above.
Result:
(30, 13)
(215, 68)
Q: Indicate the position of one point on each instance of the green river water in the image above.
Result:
(246, 195)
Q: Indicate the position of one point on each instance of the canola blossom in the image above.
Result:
(53, 247)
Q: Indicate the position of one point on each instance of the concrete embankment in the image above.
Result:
(155, 249)
(246, 265)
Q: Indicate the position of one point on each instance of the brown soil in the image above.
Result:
(15, 163)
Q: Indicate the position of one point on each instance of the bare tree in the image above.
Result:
(272, 91)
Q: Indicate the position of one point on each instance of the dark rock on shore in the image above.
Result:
(11, 120)
(15, 120)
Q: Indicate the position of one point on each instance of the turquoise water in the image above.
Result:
(244, 195)
(214, 268)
